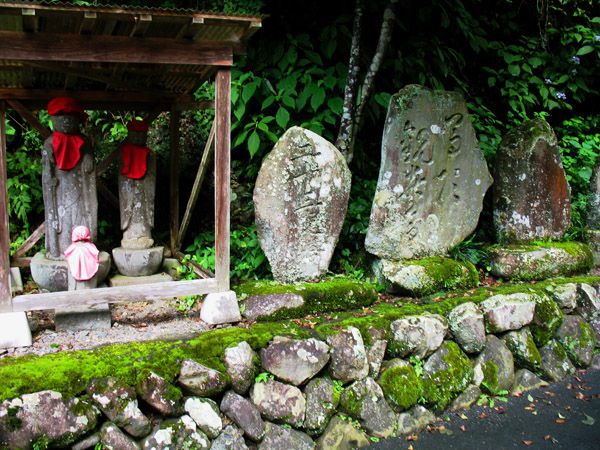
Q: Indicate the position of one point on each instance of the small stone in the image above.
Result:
(111, 436)
(295, 361)
(375, 356)
(508, 312)
(415, 419)
(526, 381)
(241, 363)
(160, 394)
(524, 350)
(467, 326)
(205, 413)
(279, 402)
(201, 380)
(221, 307)
(322, 399)
(555, 362)
(177, 434)
(280, 438)
(578, 340)
(417, 335)
(465, 400)
(348, 356)
(595, 362)
(588, 302)
(342, 435)
(244, 414)
(259, 307)
(565, 296)
(231, 438)
(497, 365)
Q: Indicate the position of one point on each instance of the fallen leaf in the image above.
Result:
(550, 394)
(534, 413)
(580, 396)
(570, 386)
(447, 432)
(527, 442)
(463, 417)
(588, 420)
(560, 416)
(547, 437)
(530, 398)
(560, 421)
(482, 415)
(463, 428)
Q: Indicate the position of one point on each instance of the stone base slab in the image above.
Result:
(221, 307)
(52, 275)
(14, 330)
(83, 317)
(122, 280)
(138, 262)
(15, 280)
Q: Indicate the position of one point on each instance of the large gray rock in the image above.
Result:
(300, 198)
(565, 296)
(497, 365)
(375, 355)
(465, 400)
(417, 335)
(467, 326)
(293, 360)
(201, 380)
(112, 437)
(175, 434)
(322, 399)
(241, 363)
(244, 414)
(348, 355)
(531, 192)
(280, 438)
(205, 413)
(258, 307)
(523, 348)
(414, 419)
(342, 435)
(161, 395)
(231, 438)
(526, 381)
(279, 402)
(588, 302)
(25, 419)
(119, 403)
(578, 340)
(432, 178)
(508, 312)
(555, 362)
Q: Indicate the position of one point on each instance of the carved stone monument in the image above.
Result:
(301, 196)
(137, 184)
(593, 213)
(432, 178)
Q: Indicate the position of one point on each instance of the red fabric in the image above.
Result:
(82, 256)
(135, 160)
(67, 149)
(66, 105)
(137, 125)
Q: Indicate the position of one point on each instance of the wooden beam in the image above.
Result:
(191, 30)
(30, 20)
(222, 175)
(22, 263)
(187, 215)
(115, 49)
(30, 118)
(174, 179)
(142, 23)
(5, 295)
(103, 165)
(30, 241)
(87, 22)
(122, 294)
(197, 268)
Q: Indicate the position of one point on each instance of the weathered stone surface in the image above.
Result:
(401, 385)
(176, 433)
(342, 435)
(497, 366)
(415, 419)
(593, 202)
(446, 374)
(526, 354)
(547, 318)
(419, 277)
(417, 335)
(160, 394)
(241, 363)
(531, 192)
(261, 306)
(121, 280)
(138, 262)
(348, 355)
(52, 275)
(112, 437)
(508, 312)
(322, 399)
(244, 414)
(25, 419)
(119, 403)
(375, 355)
(539, 261)
(432, 178)
(300, 197)
(526, 381)
(593, 240)
(595, 362)
(364, 400)
(293, 360)
(595, 326)
(201, 380)
(279, 402)
(82, 317)
(220, 307)
(588, 302)
(578, 340)
(205, 413)
(467, 326)
(231, 438)
(87, 442)
(555, 362)
(565, 296)
(280, 438)
(465, 400)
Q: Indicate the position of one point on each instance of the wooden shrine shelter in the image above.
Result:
(142, 59)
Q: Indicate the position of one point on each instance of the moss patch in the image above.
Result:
(490, 378)
(546, 320)
(401, 386)
(526, 354)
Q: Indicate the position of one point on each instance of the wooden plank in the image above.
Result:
(103, 165)
(5, 296)
(30, 118)
(30, 20)
(206, 154)
(37, 234)
(197, 268)
(222, 175)
(142, 23)
(191, 30)
(117, 49)
(22, 263)
(87, 22)
(174, 179)
(123, 294)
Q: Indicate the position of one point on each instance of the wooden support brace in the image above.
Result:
(174, 179)
(197, 268)
(5, 296)
(31, 241)
(30, 20)
(30, 118)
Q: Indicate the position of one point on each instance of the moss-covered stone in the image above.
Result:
(524, 350)
(578, 340)
(546, 320)
(401, 386)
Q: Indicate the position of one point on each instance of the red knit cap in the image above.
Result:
(137, 125)
(66, 105)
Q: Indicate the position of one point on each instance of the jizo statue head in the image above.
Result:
(66, 123)
(67, 114)
(138, 132)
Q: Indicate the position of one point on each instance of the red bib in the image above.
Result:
(67, 149)
(134, 158)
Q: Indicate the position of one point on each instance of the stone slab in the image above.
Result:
(52, 275)
(122, 280)
(14, 330)
(83, 317)
(138, 262)
(15, 280)
(593, 239)
(220, 307)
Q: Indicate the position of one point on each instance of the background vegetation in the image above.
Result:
(512, 61)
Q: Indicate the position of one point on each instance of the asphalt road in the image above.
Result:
(562, 416)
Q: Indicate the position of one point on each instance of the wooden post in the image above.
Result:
(5, 296)
(174, 179)
(222, 174)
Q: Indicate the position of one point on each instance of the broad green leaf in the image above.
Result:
(514, 69)
(248, 91)
(282, 118)
(335, 104)
(317, 98)
(253, 143)
(585, 50)
(267, 102)
(535, 61)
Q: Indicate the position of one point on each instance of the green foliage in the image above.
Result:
(263, 377)
(471, 250)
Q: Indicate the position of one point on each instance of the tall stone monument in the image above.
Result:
(301, 196)
(593, 213)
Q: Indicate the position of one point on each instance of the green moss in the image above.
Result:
(524, 350)
(490, 378)
(546, 320)
(401, 386)
(442, 386)
(13, 423)
(573, 345)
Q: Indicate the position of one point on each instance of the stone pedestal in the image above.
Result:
(16, 282)
(14, 330)
(52, 275)
(83, 317)
(122, 280)
(138, 262)
(221, 307)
